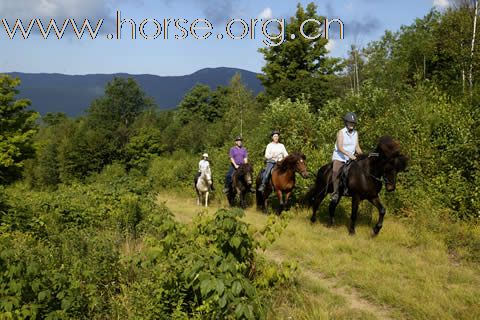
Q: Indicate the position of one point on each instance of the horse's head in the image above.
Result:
(246, 170)
(206, 175)
(300, 166)
(393, 161)
(393, 166)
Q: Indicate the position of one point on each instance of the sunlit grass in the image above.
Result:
(405, 272)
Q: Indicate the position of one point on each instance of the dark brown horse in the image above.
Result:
(282, 180)
(242, 181)
(365, 179)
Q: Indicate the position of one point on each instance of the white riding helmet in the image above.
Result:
(205, 155)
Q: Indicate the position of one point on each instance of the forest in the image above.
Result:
(86, 230)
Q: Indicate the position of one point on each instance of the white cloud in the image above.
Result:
(330, 45)
(53, 8)
(265, 14)
(441, 3)
(94, 10)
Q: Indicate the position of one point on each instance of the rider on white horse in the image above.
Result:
(203, 165)
(203, 180)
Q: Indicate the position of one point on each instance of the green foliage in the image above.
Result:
(17, 127)
(299, 66)
(294, 121)
(144, 146)
(175, 171)
(435, 132)
(200, 103)
(123, 101)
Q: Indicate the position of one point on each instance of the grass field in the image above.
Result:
(404, 273)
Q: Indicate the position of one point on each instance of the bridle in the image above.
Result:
(382, 178)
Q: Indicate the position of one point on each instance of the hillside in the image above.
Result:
(72, 94)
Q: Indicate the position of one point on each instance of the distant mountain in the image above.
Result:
(72, 94)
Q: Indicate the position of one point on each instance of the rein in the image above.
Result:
(384, 180)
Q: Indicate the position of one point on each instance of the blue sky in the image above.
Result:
(365, 20)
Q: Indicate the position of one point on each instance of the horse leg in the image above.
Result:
(231, 197)
(287, 197)
(240, 197)
(353, 217)
(381, 213)
(198, 196)
(280, 200)
(206, 199)
(331, 210)
(243, 201)
(316, 203)
(265, 196)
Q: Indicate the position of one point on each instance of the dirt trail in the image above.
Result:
(352, 296)
(185, 210)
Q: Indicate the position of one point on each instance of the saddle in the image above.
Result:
(344, 177)
(263, 173)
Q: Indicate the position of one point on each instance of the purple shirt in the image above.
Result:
(238, 155)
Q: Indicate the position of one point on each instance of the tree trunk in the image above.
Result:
(470, 75)
(356, 71)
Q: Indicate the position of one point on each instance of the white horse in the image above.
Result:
(202, 186)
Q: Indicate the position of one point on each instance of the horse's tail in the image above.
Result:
(320, 186)
(308, 199)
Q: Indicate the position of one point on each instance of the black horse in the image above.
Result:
(241, 184)
(364, 181)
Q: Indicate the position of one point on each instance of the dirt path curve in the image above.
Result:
(185, 210)
(352, 296)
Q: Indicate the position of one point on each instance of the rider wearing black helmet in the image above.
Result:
(274, 152)
(346, 147)
(238, 155)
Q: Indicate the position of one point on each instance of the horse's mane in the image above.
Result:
(244, 169)
(290, 161)
(388, 147)
(362, 156)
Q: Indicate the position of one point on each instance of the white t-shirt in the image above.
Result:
(203, 165)
(350, 141)
(275, 151)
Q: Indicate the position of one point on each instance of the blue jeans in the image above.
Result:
(268, 170)
(228, 177)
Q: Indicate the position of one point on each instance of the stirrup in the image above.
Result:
(334, 197)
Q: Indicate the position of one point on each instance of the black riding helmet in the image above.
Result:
(275, 132)
(238, 138)
(350, 117)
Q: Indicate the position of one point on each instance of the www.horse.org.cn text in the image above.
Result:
(273, 32)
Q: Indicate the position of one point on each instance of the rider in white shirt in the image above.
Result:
(345, 148)
(204, 164)
(274, 152)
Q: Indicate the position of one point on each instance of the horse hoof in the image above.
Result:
(313, 219)
(376, 231)
(351, 232)
(331, 223)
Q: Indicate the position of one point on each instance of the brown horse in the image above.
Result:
(242, 180)
(282, 180)
(364, 181)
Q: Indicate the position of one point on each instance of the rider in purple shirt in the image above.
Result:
(238, 156)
